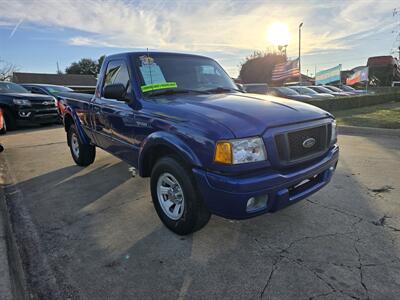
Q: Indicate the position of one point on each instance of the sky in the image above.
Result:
(35, 35)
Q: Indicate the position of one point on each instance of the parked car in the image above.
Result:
(326, 90)
(337, 90)
(3, 130)
(350, 89)
(288, 93)
(206, 146)
(256, 88)
(51, 90)
(302, 90)
(21, 107)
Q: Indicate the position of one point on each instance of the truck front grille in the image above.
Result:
(291, 145)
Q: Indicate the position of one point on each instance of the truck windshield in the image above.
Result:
(9, 87)
(161, 73)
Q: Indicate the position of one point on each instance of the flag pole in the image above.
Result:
(301, 24)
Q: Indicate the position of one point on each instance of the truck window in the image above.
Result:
(117, 72)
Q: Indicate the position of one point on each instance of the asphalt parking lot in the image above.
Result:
(92, 233)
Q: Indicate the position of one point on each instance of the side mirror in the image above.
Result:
(241, 87)
(115, 91)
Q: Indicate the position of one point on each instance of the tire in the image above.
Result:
(9, 121)
(83, 154)
(193, 214)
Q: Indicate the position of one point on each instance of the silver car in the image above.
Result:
(302, 90)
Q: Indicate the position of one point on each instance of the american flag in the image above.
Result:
(286, 70)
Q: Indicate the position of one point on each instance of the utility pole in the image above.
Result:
(301, 24)
(315, 74)
(396, 31)
(58, 68)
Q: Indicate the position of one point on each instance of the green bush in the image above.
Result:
(342, 103)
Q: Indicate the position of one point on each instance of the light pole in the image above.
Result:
(301, 24)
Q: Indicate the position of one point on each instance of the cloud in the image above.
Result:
(229, 27)
(15, 28)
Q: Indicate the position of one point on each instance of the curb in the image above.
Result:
(13, 266)
(31, 274)
(355, 130)
(5, 280)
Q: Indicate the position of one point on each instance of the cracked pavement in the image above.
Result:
(97, 230)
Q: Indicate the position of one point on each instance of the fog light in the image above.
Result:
(24, 114)
(257, 203)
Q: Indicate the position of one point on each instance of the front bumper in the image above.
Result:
(227, 196)
(36, 116)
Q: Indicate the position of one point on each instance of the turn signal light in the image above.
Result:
(223, 153)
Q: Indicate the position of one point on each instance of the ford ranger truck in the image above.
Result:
(207, 147)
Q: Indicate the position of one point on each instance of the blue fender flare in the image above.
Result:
(82, 136)
(171, 141)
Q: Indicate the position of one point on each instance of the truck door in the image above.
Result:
(118, 116)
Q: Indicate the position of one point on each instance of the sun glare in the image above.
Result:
(278, 34)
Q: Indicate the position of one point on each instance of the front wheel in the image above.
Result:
(83, 154)
(175, 198)
(9, 122)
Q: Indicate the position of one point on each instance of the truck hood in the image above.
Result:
(29, 96)
(243, 114)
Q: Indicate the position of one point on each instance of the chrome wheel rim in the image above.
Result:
(75, 144)
(170, 196)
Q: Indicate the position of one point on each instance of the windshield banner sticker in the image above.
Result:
(158, 86)
(146, 59)
(151, 72)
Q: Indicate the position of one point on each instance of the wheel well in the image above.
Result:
(154, 154)
(68, 121)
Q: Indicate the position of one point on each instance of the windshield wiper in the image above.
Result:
(221, 89)
(174, 91)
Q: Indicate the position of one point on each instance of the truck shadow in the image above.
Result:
(104, 240)
(33, 128)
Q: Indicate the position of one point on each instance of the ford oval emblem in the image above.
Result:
(308, 143)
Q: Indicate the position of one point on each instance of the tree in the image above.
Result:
(258, 67)
(6, 70)
(86, 66)
(100, 63)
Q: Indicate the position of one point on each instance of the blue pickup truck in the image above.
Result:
(207, 147)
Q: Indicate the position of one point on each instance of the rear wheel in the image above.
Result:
(83, 154)
(175, 198)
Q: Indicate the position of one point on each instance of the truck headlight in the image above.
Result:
(333, 132)
(240, 151)
(22, 102)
